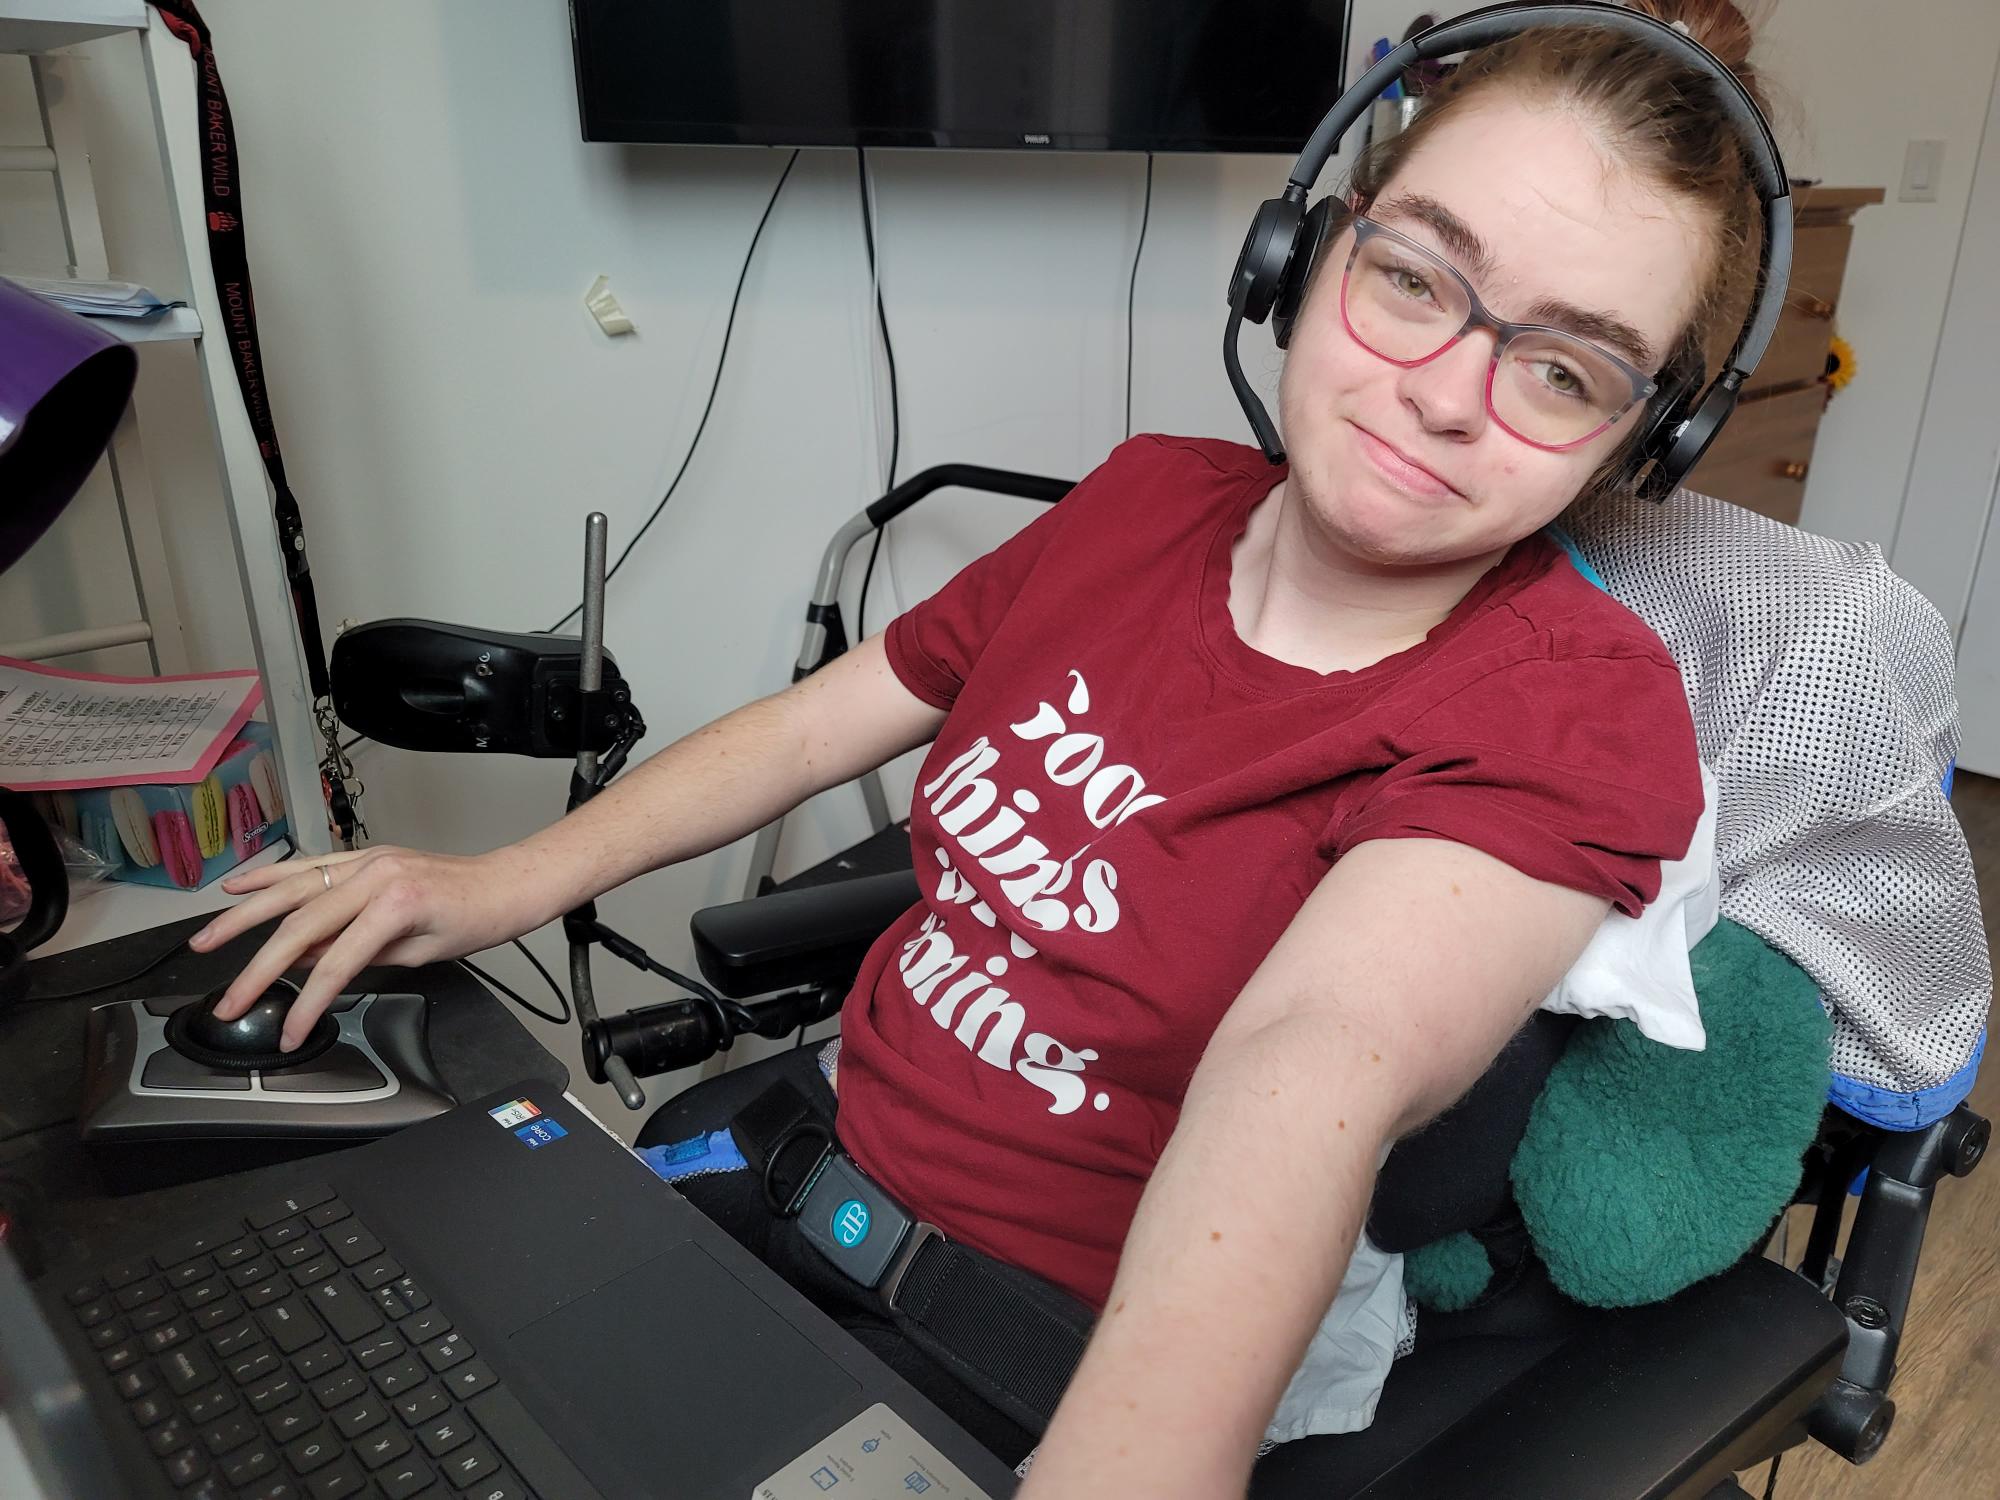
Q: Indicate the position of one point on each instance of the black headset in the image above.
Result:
(1285, 238)
(41, 862)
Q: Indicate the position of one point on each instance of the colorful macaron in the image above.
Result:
(211, 818)
(264, 781)
(178, 850)
(246, 822)
(135, 828)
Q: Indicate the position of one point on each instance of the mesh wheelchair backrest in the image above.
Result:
(1821, 685)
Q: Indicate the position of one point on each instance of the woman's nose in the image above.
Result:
(1447, 394)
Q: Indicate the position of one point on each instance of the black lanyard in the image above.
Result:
(222, 195)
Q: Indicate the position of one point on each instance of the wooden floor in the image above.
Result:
(1946, 1439)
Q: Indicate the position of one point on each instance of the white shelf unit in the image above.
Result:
(41, 28)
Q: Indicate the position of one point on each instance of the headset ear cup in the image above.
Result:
(1290, 301)
(1683, 449)
(1267, 251)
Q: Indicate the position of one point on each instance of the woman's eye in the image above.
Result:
(1562, 380)
(1408, 282)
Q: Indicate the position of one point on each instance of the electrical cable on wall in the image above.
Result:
(1132, 288)
(895, 399)
(721, 362)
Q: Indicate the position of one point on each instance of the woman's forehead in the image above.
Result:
(1525, 202)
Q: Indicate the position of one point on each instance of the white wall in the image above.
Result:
(424, 221)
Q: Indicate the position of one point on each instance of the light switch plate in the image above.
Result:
(1923, 164)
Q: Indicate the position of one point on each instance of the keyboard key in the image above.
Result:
(468, 1379)
(119, 1356)
(299, 1251)
(327, 1213)
(169, 1437)
(248, 1464)
(294, 1419)
(318, 1268)
(217, 1313)
(103, 1310)
(342, 1479)
(377, 1348)
(272, 1392)
(188, 1246)
(395, 1379)
(140, 1292)
(442, 1354)
(229, 1434)
(350, 1315)
(135, 1382)
(314, 1451)
(339, 1388)
(444, 1434)
(284, 1233)
(525, 1444)
(291, 1325)
(378, 1272)
(210, 1488)
(412, 1294)
(150, 1409)
(278, 1487)
(360, 1416)
(423, 1404)
(401, 1480)
(234, 1339)
(421, 1328)
(126, 1272)
(187, 1274)
(284, 1208)
(263, 1268)
(203, 1293)
(211, 1403)
(265, 1293)
(254, 1365)
(167, 1335)
(382, 1445)
(86, 1291)
(469, 1464)
(186, 1466)
(353, 1244)
(322, 1359)
(390, 1302)
(500, 1486)
(236, 1252)
(187, 1368)
(104, 1335)
(152, 1315)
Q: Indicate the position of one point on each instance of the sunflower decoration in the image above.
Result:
(1839, 363)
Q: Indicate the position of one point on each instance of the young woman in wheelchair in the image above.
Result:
(1264, 804)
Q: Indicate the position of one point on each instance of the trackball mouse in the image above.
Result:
(250, 1041)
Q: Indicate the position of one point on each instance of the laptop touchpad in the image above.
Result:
(683, 1376)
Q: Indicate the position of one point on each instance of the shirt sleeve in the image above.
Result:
(1581, 771)
(934, 646)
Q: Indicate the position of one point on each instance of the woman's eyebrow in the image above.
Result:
(1463, 241)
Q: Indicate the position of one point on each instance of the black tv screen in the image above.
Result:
(1085, 75)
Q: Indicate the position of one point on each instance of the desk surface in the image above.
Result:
(478, 1045)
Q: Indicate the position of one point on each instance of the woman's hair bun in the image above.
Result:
(1721, 26)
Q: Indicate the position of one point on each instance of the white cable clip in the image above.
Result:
(1682, 28)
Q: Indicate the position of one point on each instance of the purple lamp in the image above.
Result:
(63, 384)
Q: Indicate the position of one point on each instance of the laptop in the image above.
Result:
(497, 1303)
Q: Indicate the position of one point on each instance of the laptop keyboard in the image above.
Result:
(287, 1356)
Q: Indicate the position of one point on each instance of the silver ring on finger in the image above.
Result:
(326, 876)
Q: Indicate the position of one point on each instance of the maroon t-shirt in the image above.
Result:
(1127, 805)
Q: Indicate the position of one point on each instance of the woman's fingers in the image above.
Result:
(242, 882)
(378, 926)
(314, 921)
(294, 886)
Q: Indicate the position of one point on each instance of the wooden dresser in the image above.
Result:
(1765, 453)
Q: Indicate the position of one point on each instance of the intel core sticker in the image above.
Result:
(877, 1456)
(513, 1114)
(541, 1133)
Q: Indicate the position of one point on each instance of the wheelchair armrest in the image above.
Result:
(818, 935)
(1662, 1402)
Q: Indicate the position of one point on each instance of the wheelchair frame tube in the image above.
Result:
(826, 633)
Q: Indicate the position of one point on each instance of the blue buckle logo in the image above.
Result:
(850, 1223)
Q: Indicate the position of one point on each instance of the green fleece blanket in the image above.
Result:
(1646, 1168)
